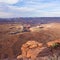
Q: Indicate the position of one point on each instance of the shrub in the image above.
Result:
(55, 45)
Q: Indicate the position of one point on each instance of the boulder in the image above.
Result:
(30, 50)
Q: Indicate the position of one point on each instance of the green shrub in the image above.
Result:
(55, 45)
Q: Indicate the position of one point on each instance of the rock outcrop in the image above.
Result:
(52, 42)
(33, 50)
(30, 50)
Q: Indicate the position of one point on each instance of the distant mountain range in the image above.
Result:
(30, 20)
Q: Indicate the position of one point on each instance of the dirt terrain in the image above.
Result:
(12, 39)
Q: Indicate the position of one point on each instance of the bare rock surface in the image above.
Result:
(30, 50)
(33, 50)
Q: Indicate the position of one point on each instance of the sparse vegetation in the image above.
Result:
(55, 45)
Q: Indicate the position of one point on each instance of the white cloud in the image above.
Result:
(21, 9)
(28, 8)
(5, 15)
(10, 1)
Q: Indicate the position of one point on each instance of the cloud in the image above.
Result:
(5, 15)
(49, 14)
(21, 9)
(29, 8)
(9, 1)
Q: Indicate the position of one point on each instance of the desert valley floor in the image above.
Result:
(35, 44)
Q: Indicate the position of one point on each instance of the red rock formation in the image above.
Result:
(30, 50)
(52, 42)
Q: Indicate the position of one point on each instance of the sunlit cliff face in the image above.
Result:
(35, 50)
(30, 50)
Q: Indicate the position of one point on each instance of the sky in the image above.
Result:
(29, 8)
